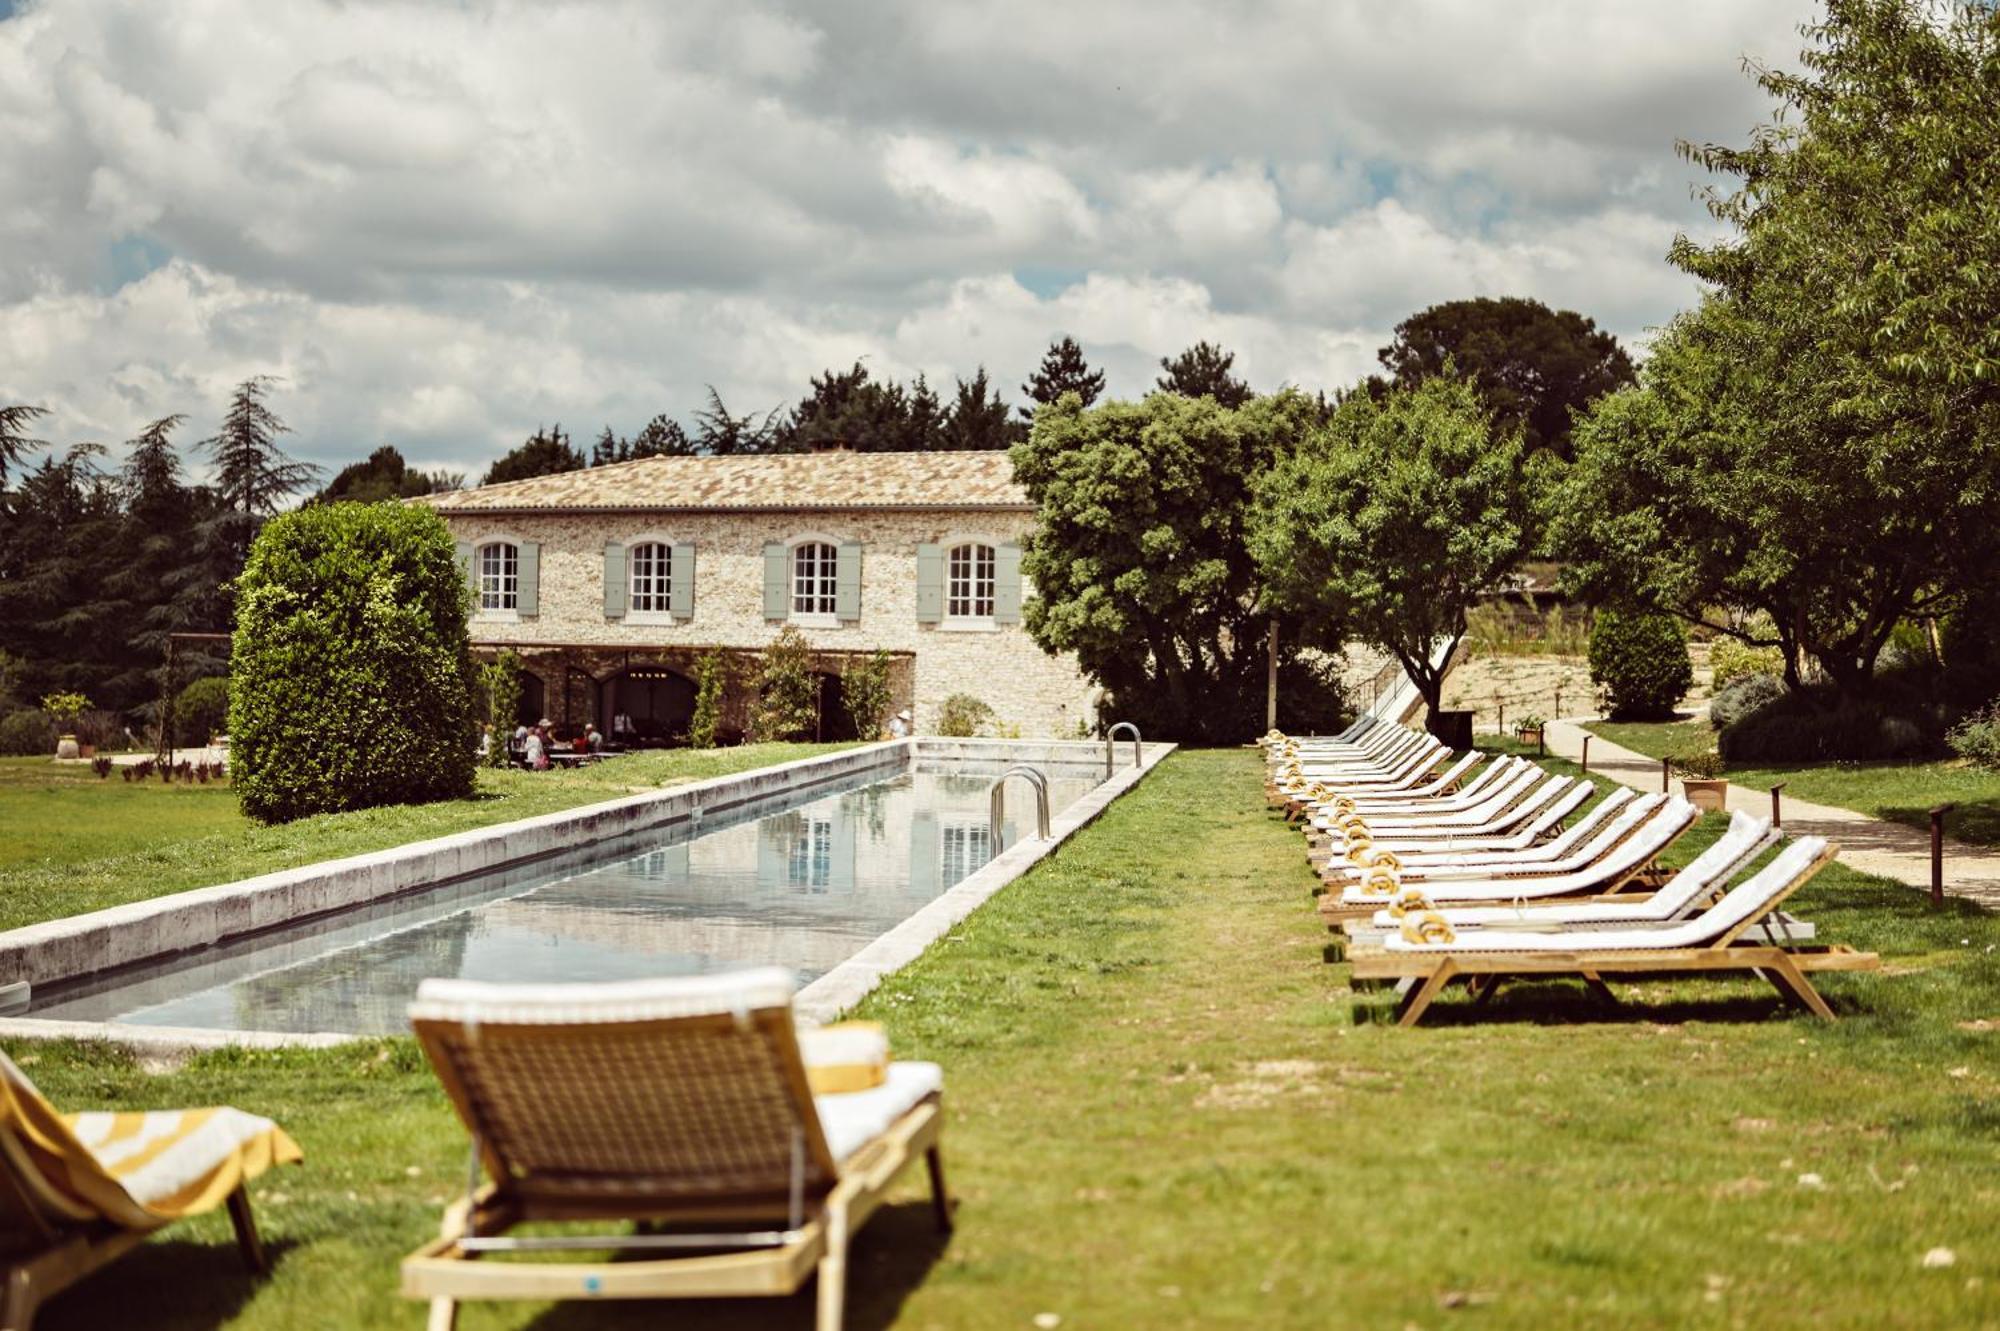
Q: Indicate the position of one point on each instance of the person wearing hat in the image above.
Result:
(899, 725)
(536, 751)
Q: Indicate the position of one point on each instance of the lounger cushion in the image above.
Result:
(853, 1120)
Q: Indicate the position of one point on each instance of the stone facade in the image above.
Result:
(575, 648)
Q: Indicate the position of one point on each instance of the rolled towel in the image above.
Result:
(1411, 900)
(1381, 883)
(1429, 927)
(847, 1056)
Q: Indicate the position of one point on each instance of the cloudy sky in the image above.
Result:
(444, 224)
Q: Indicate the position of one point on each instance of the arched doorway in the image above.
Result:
(649, 705)
(534, 700)
(834, 724)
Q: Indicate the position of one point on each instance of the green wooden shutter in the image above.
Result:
(614, 580)
(680, 587)
(1006, 584)
(776, 597)
(529, 602)
(847, 581)
(464, 551)
(930, 584)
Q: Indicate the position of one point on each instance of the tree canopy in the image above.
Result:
(1203, 371)
(544, 453)
(1821, 438)
(1533, 366)
(1063, 370)
(1388, 524)
(384, 475)
(1139, 560)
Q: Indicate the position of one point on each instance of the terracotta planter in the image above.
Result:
(1529, 735)
(87, 750)
(1708, 796)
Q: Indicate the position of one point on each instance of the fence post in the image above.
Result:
(1666, 774)
(1937, 852)
(1586, 753)
(1777, 812)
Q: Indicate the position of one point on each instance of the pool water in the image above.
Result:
(804, 887)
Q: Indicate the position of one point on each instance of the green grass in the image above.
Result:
(1898, 792)
(1163, 1113)
(71, 841)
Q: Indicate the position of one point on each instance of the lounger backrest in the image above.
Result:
(1748, 836)
(1572, 800)
(589, 1099)
(47, 1180)
(1755, 897)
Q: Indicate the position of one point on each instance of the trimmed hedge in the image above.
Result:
(1639, 662)
(1741, 697)
(201, 710)
(351, 685)
(1811, 729)
(28, 733)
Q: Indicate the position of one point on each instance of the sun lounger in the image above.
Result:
(78, 1191)
(1548, 803)
(1706, 942)
(682, 1105)
(1452, 840)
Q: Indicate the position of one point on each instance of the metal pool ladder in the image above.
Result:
(1111, 748)
(996, 804)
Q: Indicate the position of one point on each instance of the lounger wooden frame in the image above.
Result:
(1429, 973)
(832, 1200)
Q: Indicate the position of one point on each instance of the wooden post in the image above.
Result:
(1271, 678)
(1559, 702)
(1666, 774)
(1937, 852)
(1777, 810)
(1586, 753)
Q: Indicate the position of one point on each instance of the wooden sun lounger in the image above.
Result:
(1429, 969)
(680, 1106)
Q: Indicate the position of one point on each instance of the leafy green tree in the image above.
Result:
(1534, 366)
(1639, 662)
(979, 418)
(1821, 439)
(500, 691)
(1203, 371)
(352, 682)
(385, 475)
(864, 688)
(850, 408)
(544, 453)
(1139, 561)
(711, 678)
(1389, 524)
(1063, 370)
(787, 689)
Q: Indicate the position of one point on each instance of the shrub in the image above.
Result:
(962, 715)
(351, 683)
(65, 708)
(1740, 697)
(711, 676)
(100, 728)
(101, 766)
(1639, 662)
(1810, 728)
(1730, 659)
(1977, 738)
(787, 692)
(865, 687)
(1697, 763)
(28, 732)
(201, 710)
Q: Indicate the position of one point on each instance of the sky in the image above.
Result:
(444, 225)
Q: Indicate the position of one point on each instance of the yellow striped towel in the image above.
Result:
(140, 1169)
(846, 1056)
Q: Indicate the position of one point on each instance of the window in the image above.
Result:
(969, 583)
(651, 567)
(499, 576)
(815, 570)
(809, 858)
(966, 850)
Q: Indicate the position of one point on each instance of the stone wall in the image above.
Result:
(1031, 692)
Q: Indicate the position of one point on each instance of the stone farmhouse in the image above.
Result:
(613, 582)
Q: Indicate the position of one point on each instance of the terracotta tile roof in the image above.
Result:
(969, 479)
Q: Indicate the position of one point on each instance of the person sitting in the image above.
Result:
(535, 750)
(593, 738)
(899, 725)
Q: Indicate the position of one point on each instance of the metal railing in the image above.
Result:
(996, 805)
(1111, 748)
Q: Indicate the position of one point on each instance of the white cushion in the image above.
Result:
(476, 1002)
(852, 1120)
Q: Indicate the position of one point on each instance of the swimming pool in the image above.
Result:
(804, 882)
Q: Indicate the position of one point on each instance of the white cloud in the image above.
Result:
(445, 224)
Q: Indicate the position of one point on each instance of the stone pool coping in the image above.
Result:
(181, 922)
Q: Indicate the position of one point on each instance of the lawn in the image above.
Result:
(1164, 1113)
(1899, 792)
(71, 841)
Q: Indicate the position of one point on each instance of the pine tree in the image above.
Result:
(1203, 371)
(253, 477)
(1063, 371)
(725, 435)
(15, 444)
(544, 453)
(609, 448)
(977, 420)
(662, 437)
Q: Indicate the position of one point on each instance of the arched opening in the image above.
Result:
(649, 705)
(533, 705)
(834, 724)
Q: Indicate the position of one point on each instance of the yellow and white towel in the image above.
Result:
(140, 1169)
(845, 1057)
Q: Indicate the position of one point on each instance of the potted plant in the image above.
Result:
(1528, 730)
(1700, 771)
(64, 709)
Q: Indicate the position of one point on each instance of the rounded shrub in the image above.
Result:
(1740, 697)
(962, 716)
(351, 684)
(1977, 738)
(28, 733)
(201, 710)
(1639, 662)
(1812, 728)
